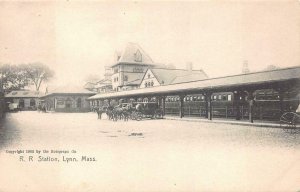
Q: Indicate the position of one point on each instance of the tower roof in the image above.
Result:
(134, 54)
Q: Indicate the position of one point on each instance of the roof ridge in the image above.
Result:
(176, 69)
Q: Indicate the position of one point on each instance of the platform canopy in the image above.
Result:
(279, 78)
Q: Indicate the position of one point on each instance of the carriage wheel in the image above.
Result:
(139, 116)
(289, 119)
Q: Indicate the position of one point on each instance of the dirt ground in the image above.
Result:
(148, 155)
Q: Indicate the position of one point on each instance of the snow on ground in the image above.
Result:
(148, 155)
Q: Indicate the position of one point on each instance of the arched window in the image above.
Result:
(152, 83)
(68, 103)
(79, 102)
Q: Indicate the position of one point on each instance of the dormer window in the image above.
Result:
(138, 56)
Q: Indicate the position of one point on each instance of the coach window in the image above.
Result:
(224, 97)
(220, 97)
(145, 100)
(215, 97)
(229, 98)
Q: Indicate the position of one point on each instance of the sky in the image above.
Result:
(77, 39)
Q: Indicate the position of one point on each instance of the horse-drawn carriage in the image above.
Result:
(135, 111)
(290, 119)
(147, 110)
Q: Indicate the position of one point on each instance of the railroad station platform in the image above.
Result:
(257, 123)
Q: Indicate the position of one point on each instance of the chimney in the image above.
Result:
(189, 66)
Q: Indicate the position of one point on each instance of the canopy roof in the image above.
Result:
(172, 76)
(236, 81)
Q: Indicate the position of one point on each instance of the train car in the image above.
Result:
(267, 105)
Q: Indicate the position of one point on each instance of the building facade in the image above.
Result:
(68, 100)
(161, 76)
(130, 68)
(26, 100)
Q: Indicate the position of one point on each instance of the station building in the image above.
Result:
(258, 95)
(130, 68)
(134, 69)
(103, 85)
(26, 100)
(162, 76)
(67, 99)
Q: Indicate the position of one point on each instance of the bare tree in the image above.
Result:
(37, 73)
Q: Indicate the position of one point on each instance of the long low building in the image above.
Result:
(281, 80)
(68, 99)
(25, 99)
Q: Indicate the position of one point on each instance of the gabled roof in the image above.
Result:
(103, 83)
(134, 82)
(134, 54)
(89, 85)
(193, 76)
(69, 90)
(24, 94)
(167, 76)
(134, 79)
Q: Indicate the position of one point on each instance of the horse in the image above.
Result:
(109, 112)
(117, 113)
